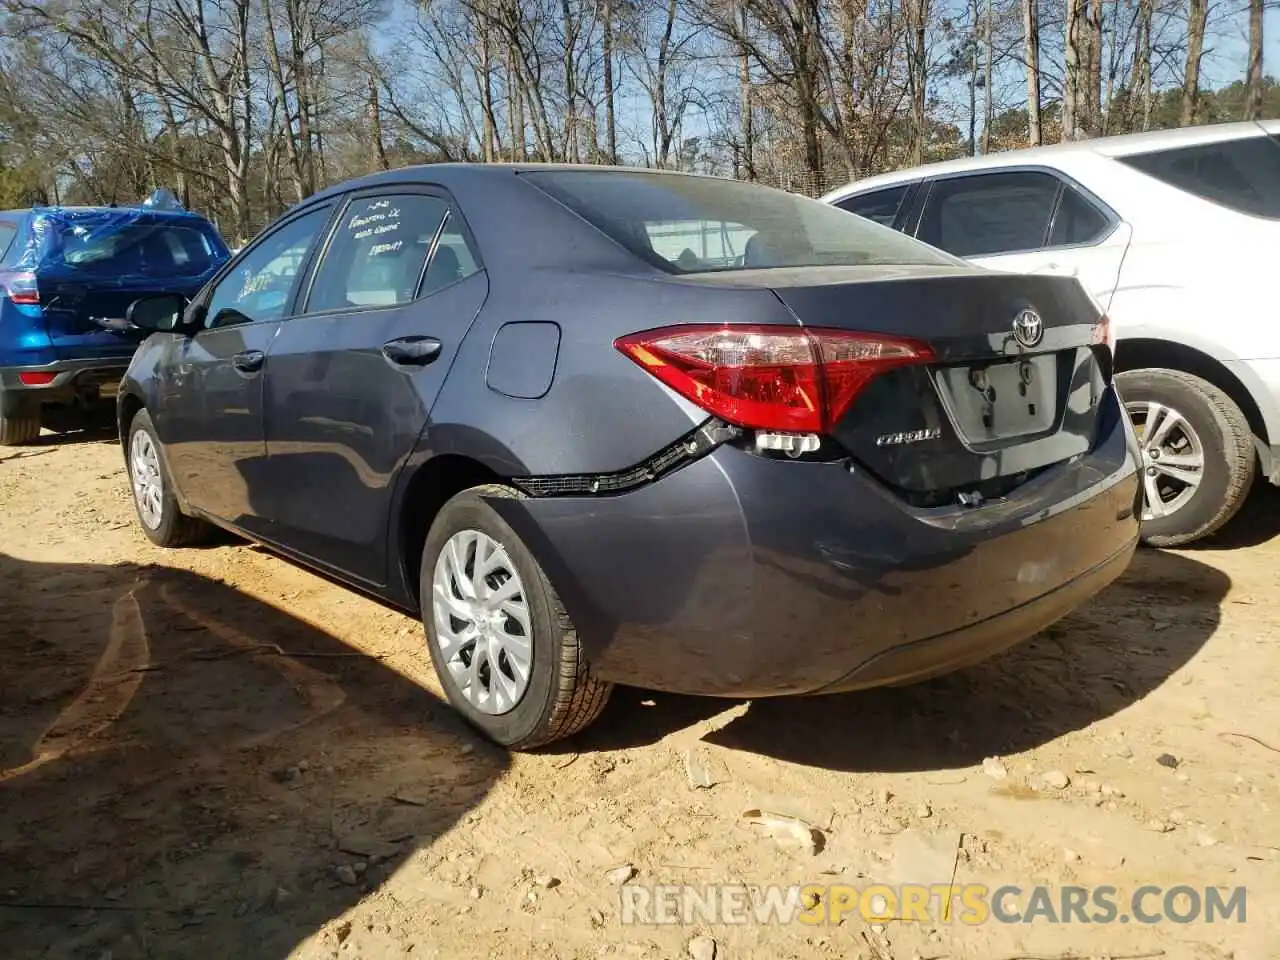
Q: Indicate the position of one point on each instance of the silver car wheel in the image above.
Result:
(1172, 458)
(482, 621)
(148, 482)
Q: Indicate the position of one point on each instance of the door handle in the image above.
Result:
(248, 362)
(411, 351)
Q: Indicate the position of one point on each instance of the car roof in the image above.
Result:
(452, 172)
(120, 208)
(1117, 146)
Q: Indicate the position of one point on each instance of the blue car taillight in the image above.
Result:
(20, 287)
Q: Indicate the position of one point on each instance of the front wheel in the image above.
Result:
(505, 650)
(161, 518)
(1198, 461)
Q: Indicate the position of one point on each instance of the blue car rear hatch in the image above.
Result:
(76, 270)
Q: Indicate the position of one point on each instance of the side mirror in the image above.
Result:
(161, 313)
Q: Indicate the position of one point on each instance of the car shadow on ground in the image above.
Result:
(1101, 659)
(71, 425)
(1256, 523)
(188, 771)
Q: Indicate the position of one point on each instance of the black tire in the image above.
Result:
(1230, 461)
(562, 697)
(19, 420)
(175, 528)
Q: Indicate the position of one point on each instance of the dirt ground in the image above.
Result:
(212, 753)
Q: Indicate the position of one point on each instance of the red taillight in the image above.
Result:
(793, 379)
(1103, 334)
(37, 378)
(20, 288)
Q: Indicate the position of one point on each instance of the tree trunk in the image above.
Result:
(1093, 73)
(1076, 61)
(570, 85)
(988, 106)
(610, 115)
(276, 70)
(806, 87)
(746, 105)
(375, 126)
(1197, 17)
(1142, 60)
(489, 133)
(1031, 49)
(918, 77)
(515, 108)
(975, 11)
(1253, 78)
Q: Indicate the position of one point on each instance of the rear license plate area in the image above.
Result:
(1003, 399)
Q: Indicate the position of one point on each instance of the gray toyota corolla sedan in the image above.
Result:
(605, 426)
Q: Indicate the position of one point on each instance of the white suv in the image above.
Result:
(1175, 233)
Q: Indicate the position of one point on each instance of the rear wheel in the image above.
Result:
(1198, 461)
(161, 518)
(503, 645)
(19, 420)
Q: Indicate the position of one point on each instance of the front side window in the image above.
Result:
(990, 213)
(880, 206)
(259, 286)
(690, 224)
(377, 253)
(1241, 175)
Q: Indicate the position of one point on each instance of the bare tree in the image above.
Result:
(1197, 20)
(1253, 74)
(1031, 50)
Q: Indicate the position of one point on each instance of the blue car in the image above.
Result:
(67, 275)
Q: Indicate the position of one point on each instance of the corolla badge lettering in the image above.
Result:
(908, 436)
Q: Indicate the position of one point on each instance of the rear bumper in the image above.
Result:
(67, 375)
(743, 576)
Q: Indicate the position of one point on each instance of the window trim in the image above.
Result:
(452, 212)
(1064, 180)
(201, 299)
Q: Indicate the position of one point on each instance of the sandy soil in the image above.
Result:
(212, 753)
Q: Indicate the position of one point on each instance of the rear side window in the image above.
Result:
(1242, 175)
(376, 256)
(688, 224)
(990, 213)
(1076, 221)
(8, 230)
(880, 206)
(453, 259)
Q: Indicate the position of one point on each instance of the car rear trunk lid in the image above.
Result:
(1013, 386)
(90, 265)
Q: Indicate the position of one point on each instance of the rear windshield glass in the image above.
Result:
(155, 249)
(1243, 174)
(686, 224)
(118, 243)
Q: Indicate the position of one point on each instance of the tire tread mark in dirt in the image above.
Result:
(111, 688)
